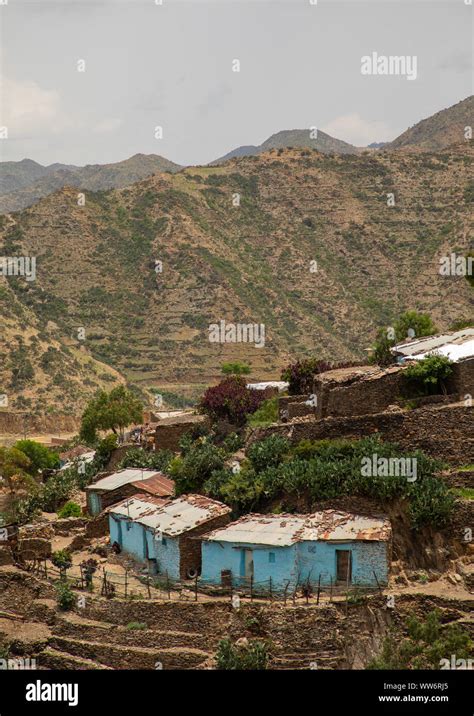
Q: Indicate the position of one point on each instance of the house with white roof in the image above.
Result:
(329, 547)
(166, 533)
(124, 483)
(455, 345)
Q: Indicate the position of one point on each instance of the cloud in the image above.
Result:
(108, 125)
(354, 129)
(28, 109)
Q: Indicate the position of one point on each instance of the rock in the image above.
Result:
(242, 642)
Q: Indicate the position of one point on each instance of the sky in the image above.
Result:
(171, 65)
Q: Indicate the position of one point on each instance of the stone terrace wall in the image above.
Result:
(445, 432)
(360, 397)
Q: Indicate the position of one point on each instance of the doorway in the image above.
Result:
(344, 565)
(246, 564)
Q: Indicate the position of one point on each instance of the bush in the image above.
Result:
(265, 415)
(235, 369)
(137, 457)
(41, 457)
(248, 657)
(427, 376)
(70, 509)
(231, 400)
(300, 375)
(65, 597)
(327, 469)
(268, 452)
(61, 559)
(191, 471)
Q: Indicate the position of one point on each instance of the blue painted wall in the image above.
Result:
(168, 556)
(304, 560)
(132, 537)
(315, 558)
(279, 563)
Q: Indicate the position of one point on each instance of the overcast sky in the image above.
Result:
(148, 65)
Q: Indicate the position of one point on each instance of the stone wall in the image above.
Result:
(359, 397)
(168, 435)
(462, 379)
(445, 432)
(190, 547)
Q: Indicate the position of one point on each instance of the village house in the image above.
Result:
(455, 345)
(169, 431)
(166, 533)
(125, 483)
(337, 548)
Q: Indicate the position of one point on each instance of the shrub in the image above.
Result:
(136, 457)
(70, 509)
(250, 656)
(268, 452)
(64, 595)
(41, 457)
(427, 376)
(61, 559)
(300, 375)
(231, 400)
(265, 415)
(235, 368)
(191, 471)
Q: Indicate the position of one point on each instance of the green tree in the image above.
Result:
(41, 457)
(14, 468)
(235, 368)
(428, 375)
(110, 411)
(414, 324)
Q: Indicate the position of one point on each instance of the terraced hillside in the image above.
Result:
(241, 242)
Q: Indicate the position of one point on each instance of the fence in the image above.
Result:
(160, 586)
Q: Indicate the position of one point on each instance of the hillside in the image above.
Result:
(438, 131)
(292, 138)
(96, 263)
(24, 183)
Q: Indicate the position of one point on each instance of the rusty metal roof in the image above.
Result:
(172, 517)
(125, 477)
(285, 530)
(157, 484)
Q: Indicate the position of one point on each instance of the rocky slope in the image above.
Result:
(247, 263)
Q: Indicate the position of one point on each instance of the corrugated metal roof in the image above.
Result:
(157, 484)
(456, 345)
(174, 516)
(280, 384)
(122, 477)
(285, 530)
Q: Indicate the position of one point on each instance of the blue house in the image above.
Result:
(333, 547)
(166, 534)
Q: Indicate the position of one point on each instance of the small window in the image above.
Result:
(163, 541)
(271, 556)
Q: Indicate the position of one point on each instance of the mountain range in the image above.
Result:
(25, 182)
(303, 242)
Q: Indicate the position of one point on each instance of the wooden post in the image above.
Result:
(82, 577)
(378, 583)
(251, 587)
(45, 569)
(126, 583)
(285, 592)
(271, 594)
(148, 582)
(330, 598)
(319, 588)
(196, 587)
(168, 588)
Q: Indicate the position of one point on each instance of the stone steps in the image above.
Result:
(129, 657)
(305, 661)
